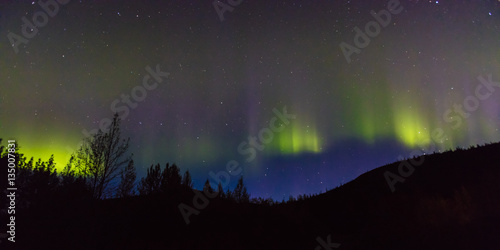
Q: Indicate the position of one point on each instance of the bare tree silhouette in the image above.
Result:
(101, 157)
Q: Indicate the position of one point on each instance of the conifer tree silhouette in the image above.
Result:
(128, 175)
(170, 178)
(208, 188)
(240, 192)
(186, 179)
(151, 183)
(221, 191)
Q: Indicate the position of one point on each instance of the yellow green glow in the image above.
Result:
(365, 114)
(38, 150)
(411, 129)
(297, 139)
(39, 145)
(367, 127)
(61, 157)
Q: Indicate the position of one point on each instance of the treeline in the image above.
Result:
(101, 169)
(169, 180)
(36, 181)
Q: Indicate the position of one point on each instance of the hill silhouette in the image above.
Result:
(449, 201)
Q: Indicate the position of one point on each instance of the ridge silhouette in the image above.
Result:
(449, 201)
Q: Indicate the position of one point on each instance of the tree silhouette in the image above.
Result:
(229, 194)
(186, 180)
(151, 183)
(101, 156)
(72, 183)
(158, 181)
(128, 175)
(240, 192)
(40, 185)
(170, 178)
(208, 188)
(220, 190)
(262, 201)
(44, 179)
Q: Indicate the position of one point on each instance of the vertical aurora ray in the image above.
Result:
(297, 139)
(226, 78)
(365, 109)
(411, 127)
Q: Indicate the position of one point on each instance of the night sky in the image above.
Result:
(425, 81)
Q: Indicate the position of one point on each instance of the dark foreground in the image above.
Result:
(449, 201)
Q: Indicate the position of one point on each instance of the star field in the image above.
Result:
(226, 78)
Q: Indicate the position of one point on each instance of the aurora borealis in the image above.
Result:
(226, 77)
